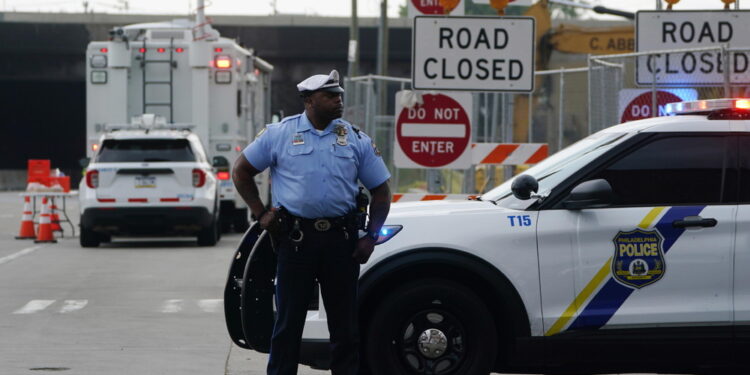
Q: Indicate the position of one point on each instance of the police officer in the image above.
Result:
(316, 159)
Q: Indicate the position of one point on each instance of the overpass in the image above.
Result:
(42, 57)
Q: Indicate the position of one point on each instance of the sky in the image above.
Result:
(340, 8)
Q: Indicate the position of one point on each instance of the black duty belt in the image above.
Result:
(325, 224)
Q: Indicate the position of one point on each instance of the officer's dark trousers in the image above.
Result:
(326, 256)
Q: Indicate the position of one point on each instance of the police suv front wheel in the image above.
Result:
(431, 327)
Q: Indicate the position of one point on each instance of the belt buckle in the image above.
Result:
(322, 225)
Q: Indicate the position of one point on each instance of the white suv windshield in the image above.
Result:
(145, 150)
(559, 166)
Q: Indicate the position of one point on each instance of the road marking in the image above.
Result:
(35, 306)
(73, 305)
(19, 254)
(172, 306)
(209, 305)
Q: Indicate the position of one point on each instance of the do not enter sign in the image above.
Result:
(434, 134)
(636, 104)
(433, 7)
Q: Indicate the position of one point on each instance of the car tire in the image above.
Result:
(209, 235)
(89, 238)
(432, 326)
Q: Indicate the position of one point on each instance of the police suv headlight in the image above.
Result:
(387, 232)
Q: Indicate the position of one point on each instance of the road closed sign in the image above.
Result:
(473, 53)
(670, 30)
(435, 133)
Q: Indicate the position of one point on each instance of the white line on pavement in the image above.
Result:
(19, 254)
(172, 306)
(35, 306)
(209, 305)
(73, 305)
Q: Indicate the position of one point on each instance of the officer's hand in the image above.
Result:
(365, 247)
(269, 220)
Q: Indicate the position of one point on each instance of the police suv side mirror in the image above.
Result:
(590, 194)
(523, 186)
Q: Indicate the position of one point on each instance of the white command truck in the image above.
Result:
(185, 72)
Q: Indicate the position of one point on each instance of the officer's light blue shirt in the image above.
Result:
(312, 174)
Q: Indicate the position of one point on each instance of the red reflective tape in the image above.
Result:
(396, 197)
(499, 154)
(539, 155)
(170, 199)
(433, 197)
(106, 200)
(138, 200)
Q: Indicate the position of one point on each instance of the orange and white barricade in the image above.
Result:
(509, 153)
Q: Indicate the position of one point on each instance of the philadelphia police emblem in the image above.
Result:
(639, 258)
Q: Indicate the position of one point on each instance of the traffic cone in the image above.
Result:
(27, 222)
(55, 218)
(45, 226)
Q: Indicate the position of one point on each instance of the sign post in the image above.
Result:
(670, 30)
(473, 53)
(434, 134)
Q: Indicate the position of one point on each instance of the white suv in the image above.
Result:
(625, 252)
(154, 182)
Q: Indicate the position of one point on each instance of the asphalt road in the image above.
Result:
(129, 307)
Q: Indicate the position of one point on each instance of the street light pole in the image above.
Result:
(353, 57)
(382, 65)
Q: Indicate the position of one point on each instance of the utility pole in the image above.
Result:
(382, 65)
(353, 57)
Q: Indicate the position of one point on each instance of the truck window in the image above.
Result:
(145, 150)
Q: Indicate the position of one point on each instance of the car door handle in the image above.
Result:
(694, 221)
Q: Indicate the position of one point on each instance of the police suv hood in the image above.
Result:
(440, 207)
(463, 225)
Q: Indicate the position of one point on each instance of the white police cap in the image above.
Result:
(318, 82)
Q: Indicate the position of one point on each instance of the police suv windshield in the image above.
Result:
(145, 150)
(556, 168)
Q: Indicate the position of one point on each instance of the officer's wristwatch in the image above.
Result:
(373, 235)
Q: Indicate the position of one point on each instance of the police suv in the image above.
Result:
(627, 251)
(149, 178)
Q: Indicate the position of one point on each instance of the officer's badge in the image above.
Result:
(341, 132)
(263, 130)
(639, 258)
(298, 140)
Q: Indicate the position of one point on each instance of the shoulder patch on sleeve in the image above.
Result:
(375, 148)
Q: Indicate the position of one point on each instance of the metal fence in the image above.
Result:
(555, 113)
(669, 75)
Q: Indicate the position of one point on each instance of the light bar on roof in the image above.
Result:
(680, 108)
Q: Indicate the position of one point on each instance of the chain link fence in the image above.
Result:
(556, 114)
(637, 85)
